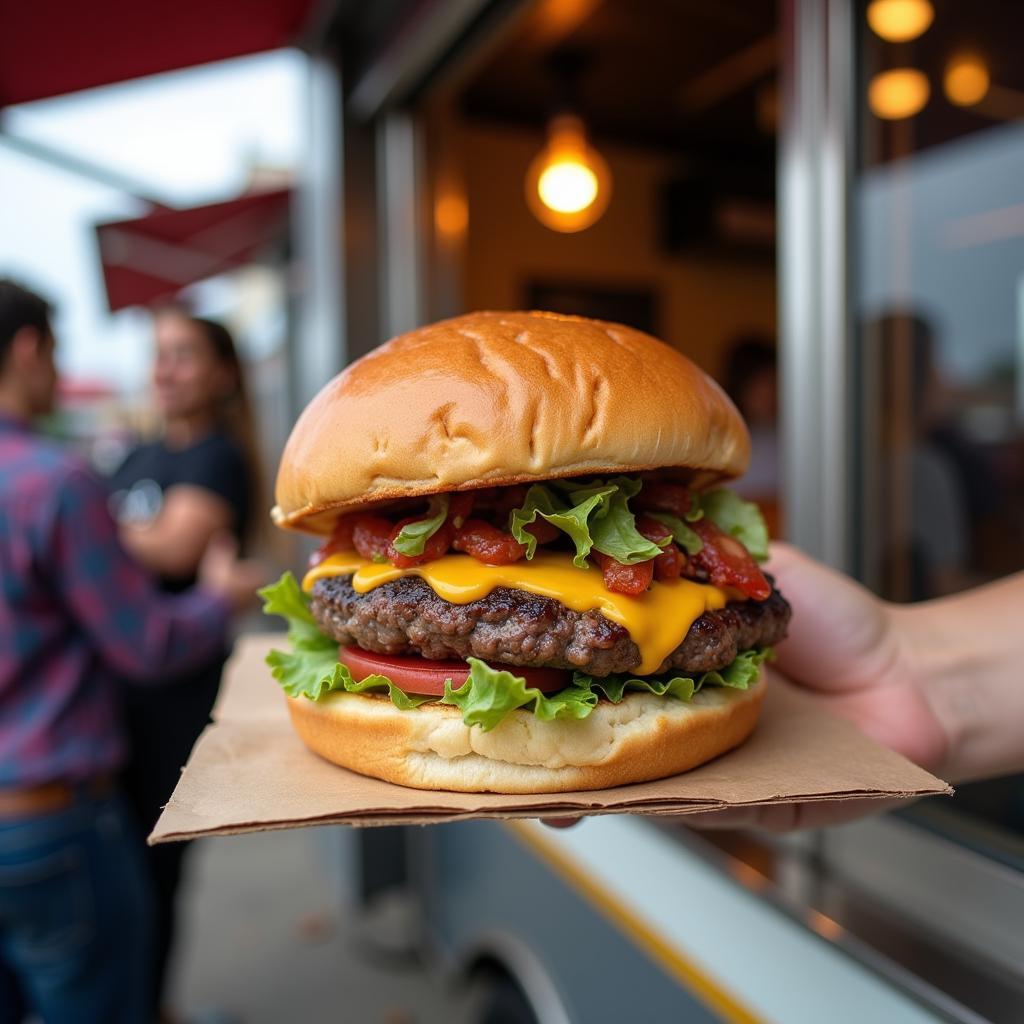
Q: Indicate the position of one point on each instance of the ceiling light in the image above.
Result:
(899, 21)
(966, 80)
(899, 93)
(568, 184)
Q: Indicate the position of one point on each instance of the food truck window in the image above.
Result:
(938, 310)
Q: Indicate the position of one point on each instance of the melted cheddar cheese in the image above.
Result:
(657, 621)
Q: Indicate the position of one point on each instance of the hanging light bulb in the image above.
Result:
(899, 93)
(899, 21)
(568, 183)
(966, 80)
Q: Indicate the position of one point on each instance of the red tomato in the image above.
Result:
(672, 498)
(435, 546)
(339, 540)
(418, 675)
(460, 506)
(487, 543)
(625, 579)
(371, 536)
(544, 531)
(728, 563)
(669, 565)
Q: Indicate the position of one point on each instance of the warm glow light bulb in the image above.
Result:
(899, 21)
(568, 183)
(899, 93)
(567, 186)
(966, 80)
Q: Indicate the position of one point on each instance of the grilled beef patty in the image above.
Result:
(513, 626)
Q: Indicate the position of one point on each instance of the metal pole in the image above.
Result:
(814, 321)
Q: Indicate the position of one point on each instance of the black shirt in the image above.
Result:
(214, 463)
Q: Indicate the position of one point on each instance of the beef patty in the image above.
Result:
(513, 626)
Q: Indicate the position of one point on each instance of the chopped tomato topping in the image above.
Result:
(727, 562)
(625, 579)
(460, 507)
(669, 565)
(371, 537)
(659, 497)
(543, 531)
(435, 546)
(339, 540)
(487, 543)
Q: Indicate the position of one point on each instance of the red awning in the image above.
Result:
(150, 259)
(48, 47)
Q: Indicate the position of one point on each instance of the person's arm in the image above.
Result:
(172, 545)
(968, 655)
(137, 630)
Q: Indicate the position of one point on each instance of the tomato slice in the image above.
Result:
(728, 563)
(418, 675)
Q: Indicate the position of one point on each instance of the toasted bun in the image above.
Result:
(642, 738)
(502, 398)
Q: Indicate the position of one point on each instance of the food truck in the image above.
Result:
(821, 203)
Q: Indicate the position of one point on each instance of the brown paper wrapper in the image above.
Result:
(249, 771)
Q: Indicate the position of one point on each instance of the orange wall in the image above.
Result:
(702, 302)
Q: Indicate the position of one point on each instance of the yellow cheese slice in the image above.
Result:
(657, 621)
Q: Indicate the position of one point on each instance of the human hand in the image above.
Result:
(856, 656)
(223, 572)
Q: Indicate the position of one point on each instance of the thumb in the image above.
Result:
(840, 637)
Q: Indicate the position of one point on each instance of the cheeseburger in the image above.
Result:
(530, 579)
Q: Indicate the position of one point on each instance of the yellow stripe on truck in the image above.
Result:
(657, 621)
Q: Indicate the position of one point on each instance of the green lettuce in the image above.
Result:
(596, 517)
(489, 694)
(544, 501)
(682, 533)
(312, 670)
(412, 538)
(738, 518)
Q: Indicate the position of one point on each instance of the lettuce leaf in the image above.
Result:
(738, 518)
(489, 694)
(570, 519)
(682, 533)
(412, 538)
(594, 517)
(312, 670)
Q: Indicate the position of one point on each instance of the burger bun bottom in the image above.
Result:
(644, 737)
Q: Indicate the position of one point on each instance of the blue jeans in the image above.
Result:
(75, 916)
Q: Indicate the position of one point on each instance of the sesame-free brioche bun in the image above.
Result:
(501, 398)
(642, 738)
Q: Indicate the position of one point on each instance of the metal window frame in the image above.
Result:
(929, 881)
(815, 161)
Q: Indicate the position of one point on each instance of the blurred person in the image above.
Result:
(75, 608)
(171, 497)
(940, 475)
(750, 378)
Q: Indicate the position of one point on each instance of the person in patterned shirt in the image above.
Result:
(76, 612)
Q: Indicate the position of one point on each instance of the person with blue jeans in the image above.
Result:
(75, 613)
